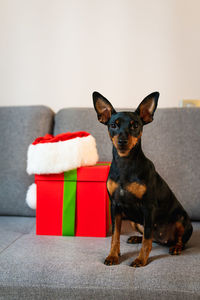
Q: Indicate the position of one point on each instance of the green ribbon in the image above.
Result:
(69, 203)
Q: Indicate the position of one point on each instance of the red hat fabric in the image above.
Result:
(49, 138)
(63, 152)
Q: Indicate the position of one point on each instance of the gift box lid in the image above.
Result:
(96, 173)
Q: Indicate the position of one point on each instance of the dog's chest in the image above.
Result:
(126, 190)
(130, 204)
(128, 197)
(122, 192)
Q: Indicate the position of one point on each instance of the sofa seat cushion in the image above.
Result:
(12, 228)
(52, 267)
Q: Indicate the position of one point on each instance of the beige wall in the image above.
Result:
(57, 52)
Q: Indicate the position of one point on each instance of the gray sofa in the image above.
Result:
(50, 267)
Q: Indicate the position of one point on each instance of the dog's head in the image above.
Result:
(125, 128)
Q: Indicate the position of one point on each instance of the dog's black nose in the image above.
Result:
(122, 142)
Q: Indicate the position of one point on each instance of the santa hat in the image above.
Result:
(63, 152)
(56, 154)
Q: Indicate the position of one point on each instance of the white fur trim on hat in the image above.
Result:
(49, 158)
(31, 196)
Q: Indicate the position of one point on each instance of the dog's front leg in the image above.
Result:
(143, 256)
(113, 257)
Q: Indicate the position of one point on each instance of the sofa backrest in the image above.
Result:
(171, 141)
(19, 126)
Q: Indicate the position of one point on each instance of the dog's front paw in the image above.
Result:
(111, 260)
(138, 263)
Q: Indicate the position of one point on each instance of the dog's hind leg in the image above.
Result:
(182, 236)
(179, 245)
(136, 239)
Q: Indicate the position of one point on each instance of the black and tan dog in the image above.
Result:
(137, 191)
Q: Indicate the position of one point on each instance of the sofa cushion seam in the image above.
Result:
(11, 243)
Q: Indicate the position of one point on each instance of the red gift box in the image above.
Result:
(78, 197)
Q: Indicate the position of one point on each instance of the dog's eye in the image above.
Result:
(113, 125)
(134, 125)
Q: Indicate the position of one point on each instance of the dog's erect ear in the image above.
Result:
(147, 107)
(103, 108)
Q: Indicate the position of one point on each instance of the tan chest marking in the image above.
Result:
(112, 186)
(136, 189)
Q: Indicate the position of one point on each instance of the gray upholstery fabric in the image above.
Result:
(19, 126)
(46, 267)
(12, 228)
(171, 141)
(78, 119)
